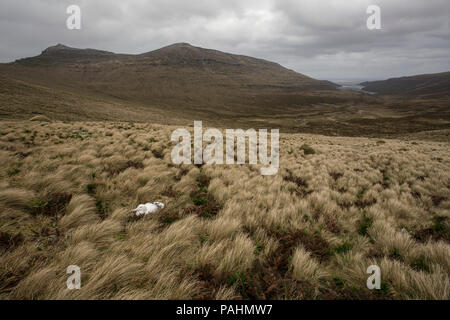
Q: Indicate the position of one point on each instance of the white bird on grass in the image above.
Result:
(149, 207)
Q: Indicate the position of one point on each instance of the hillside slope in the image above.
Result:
(178, 73)
(432, 85)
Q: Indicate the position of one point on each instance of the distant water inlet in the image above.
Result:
(236, 142)
(352, 86)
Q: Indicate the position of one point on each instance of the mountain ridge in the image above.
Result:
(168, 76)
(176, 50)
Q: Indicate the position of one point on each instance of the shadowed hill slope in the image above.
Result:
(432, 85)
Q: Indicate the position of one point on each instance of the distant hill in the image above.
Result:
(176, 74)
(431, 85)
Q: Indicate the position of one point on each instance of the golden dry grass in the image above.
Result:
(311, 231)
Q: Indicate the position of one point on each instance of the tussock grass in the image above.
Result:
(227, 232)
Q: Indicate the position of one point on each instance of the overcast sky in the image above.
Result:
(326, 39)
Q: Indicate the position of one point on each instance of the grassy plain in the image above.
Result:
(337, 205)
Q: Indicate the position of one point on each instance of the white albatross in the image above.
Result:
(149, 207)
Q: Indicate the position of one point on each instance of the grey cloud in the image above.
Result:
(323, 39)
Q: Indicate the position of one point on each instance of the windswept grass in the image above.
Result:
(311, 231)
